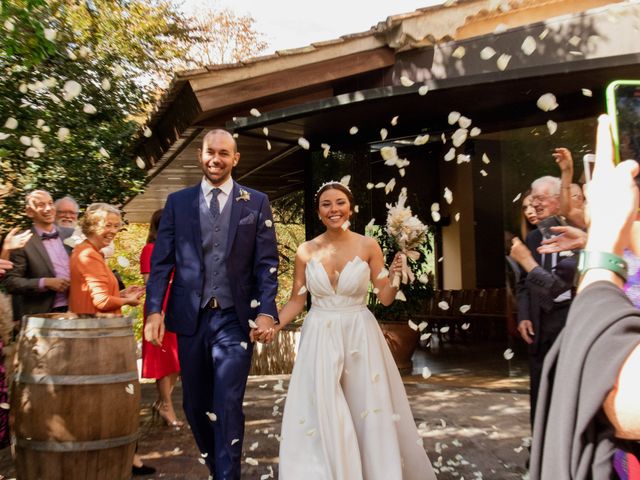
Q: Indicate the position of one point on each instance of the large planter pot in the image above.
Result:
(402, 342)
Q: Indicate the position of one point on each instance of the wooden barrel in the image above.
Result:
(75, 398)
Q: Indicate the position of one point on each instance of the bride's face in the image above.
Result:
(334, 208)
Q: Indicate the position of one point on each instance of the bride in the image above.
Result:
(347, 416)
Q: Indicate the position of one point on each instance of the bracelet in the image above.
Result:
(607, 261)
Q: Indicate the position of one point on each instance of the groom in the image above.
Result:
(218, 239)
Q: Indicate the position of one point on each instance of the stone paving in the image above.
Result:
(473, 424)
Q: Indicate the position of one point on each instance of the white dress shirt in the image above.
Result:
(225, 191)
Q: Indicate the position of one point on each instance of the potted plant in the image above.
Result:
(394, 319)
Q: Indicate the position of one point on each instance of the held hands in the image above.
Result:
(265, 331)
(154, 329)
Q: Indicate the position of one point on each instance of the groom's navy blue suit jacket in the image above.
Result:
(251, 258)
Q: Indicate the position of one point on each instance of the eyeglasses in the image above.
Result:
(541, 198)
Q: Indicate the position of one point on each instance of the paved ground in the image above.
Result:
(472, 413)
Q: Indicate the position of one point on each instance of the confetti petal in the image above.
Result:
(465, 308)
(383, 133)
(302, 290)
(140, 163)
(423, 90)
(444, 329)
(268, 223)
(353, 130)
(547, 102)
(255, 303)
(71, 90)
(508, 354)
(552, 127)
(465, 326)
(424, 337)
(453, 117)
(11, 123)
(304, 143)
(130, 389)
(443, 305)
(426, 372)
(457, 216)
(370, 186)
(483, 172)
(529, 45)
(435, 216)
(401, 296)
(459, 52)
(485, 159)
(123, 262)
(251, 461)
(244, 345)
(503, 62)
(89, 109)
(212, 416)
(475, 131)
(487, 53)
(105, 85)
(265, 130)
(587, 93)
(448, 195)
(516, 198)
(412, 325)
(450, 155)
(255, 112)
(234, 441)
(459, 136)
(421, 139)
(394, 121)
(406, 81)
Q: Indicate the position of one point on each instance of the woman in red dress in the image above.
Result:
(162, 362)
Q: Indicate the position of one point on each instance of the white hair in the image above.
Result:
(68, 199)
(547, 180)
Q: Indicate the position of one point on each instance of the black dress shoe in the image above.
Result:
(143, 470)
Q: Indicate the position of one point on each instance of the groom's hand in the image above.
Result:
(154, 329)
(266, 328)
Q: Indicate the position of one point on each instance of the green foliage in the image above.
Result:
(417, 293)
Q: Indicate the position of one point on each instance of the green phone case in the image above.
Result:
(612, 111)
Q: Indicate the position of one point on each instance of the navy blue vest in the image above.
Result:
(214, 235)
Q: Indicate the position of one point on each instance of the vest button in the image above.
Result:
(216, 244)
(217, 229)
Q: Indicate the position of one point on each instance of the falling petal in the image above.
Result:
(517, 197)
(304, 143)
(244, 345)
(383, 133)
(401, 296)
(575, 41)
(485, 159)
(543, 34)
(529, 45)
(448, 195)
(483, 172)
(251, 461)
(487, 53)
(268, 145)
(457, 216)
(423, 90)
(412, 325)
(104, 153)
(423, 325)
(394, 121)
(123, 261)
(424, 337)
(421, 139)
(389, 153)
(453, 117)
(587, 93)
(547, 102)
(465, 326)
(508, 354)
(552, 126)
(147, 132)
(234, 441)
(503, 62)
(475, 131)
(140, 163)
(32, 152)
(370, 186)
(426, 372)
(273, 270)
(380, 185)
(345, 225)
(464, 122)
(26, 141)
(376, 291)
(395, 417)
(88, 108)
(254, 303)
(459, 136)
(265, 130)
(436, 216)
(9, 25)
(443, 305)
(202, 461)
(465, 308)
(302, 290)
(375, 377)
(345, 180)
(105, 85)
(402, 172)
(353, 130)
(390, 186)
(4, 406)
(384, 273)
(423, 278)
(4, 136)
(459, 52)
(444, 329)
(461, 158)
(406, 82)
(71, 90)
(255, 112)
(364, 414)
(268, 223)
(443, 137)
(130, 389)
(450, 155)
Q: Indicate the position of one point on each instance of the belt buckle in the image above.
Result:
(213, 303)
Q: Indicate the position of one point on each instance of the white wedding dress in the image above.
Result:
(347, 416)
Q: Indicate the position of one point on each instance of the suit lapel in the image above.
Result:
(38, 247)
(195, 220)
(236, 214)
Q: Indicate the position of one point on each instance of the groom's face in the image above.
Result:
(218, 157)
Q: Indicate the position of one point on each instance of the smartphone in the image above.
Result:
(545, 225)
(623, 107)
(588, 162)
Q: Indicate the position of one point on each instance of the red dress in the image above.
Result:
(158, 362)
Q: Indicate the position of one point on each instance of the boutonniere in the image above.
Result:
(244, 196)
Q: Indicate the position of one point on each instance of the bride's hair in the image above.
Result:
(336, 186)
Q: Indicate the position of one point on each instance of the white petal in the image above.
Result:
(486, 53)
(140, 163)
(552, 127)
(255, 112)
(423, 325)
(123, 261)
(394, 121)
(444, 329)
(383, 133)
(543, 34)
(375, 377)
(443, 305)
(356, 209)
(401, 296)
(423, 278)
(11, 123)
(364, 413)
(465, 326)
(353, 130)
(202, 461)
(32, 152)
(587, 93)
(485, 159)
(389, 153)
(26, 141)
(461, 158)
(575, 40)
(268, 145)
(529, 45)
(450, 155)
(147, 132)
(252, 324)
(435, 207)
(475, 131)
(103, 152)
(503, 62)
(464, 122)
(402, 172)
(304, 143)
(251, 461)
(23, 88)
(483, 172)
(448, 195)
(406, 81)
(421, 139)
(508, 354)
(384, 273)
(465, 308)
(412, 325)
(424, 336)
(212, 416)
(244, 345)
(423, 90)
(4, 406)
(376, 291)
(390, 186)
(130, 389)
(457, 216)
(459, 136)
(106, 85)
(71, 90)
(516, 198)
(370, 186)
(254, 303)
(4, 136)
(88, 108)
(84, 51)
(234, 441)
(459, 52)
(547, 102)
(345, 225)
(395, 417)
(302, 290)
(9, 25)
(273, 270)
(436, 216)
(453, 117)
(345, 180)
(268, 223)
(380, 185)
(426, 372)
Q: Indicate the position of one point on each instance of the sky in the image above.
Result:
(296, 23)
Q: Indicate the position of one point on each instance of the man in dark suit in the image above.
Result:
(218, 239)
(544, 288)
(40, 274)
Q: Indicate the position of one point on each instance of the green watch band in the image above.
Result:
(607, 261)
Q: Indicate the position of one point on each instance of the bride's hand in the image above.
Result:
(396, 266)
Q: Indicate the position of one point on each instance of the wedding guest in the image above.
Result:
(94, 287)
(571, 196)
(160, 363)
(67, 210)
(528, 217)
(588, 420)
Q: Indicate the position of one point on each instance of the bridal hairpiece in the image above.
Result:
(331, 182)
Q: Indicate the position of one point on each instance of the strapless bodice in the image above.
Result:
(351, 289)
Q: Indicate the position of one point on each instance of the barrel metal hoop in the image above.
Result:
(53, 446)
(40, 333)
(78, 323)
(45, 379)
